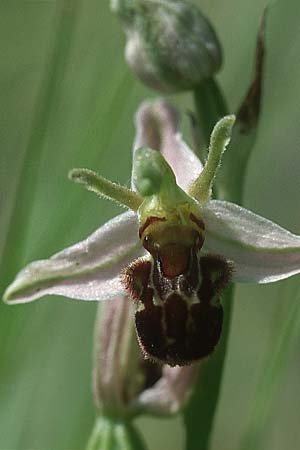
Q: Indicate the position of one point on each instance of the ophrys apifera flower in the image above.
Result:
(174, 252)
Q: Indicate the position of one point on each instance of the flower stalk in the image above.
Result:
(229, 186)
(210, 105)
(111, 434)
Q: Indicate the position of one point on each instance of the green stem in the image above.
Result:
(200, 411)
(109, 434)
(210, 106)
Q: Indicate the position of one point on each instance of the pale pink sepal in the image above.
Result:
(88, 270)
(261, 251)
(157, 127)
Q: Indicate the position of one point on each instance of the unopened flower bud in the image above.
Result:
(126, 384)
(118, 373)
(170, 46)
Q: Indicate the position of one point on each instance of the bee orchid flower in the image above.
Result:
(174, 251)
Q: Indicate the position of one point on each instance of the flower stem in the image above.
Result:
(109, 434)
(210, 106)
(200, 411)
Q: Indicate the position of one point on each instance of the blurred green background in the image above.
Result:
(67, 100)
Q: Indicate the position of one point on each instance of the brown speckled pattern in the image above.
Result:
(178, 320)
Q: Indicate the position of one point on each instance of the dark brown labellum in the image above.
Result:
(178, 318)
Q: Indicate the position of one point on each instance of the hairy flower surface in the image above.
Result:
(176, 249)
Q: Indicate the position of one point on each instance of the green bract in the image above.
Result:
(259, 250)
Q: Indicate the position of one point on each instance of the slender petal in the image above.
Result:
(88, 270)
(201, 189)
(106, 188)
(157, 127)
(261, 250)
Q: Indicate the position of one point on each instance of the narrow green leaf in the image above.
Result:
(270, 380)
(24, 199)
(244, 132)
(97, 138)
